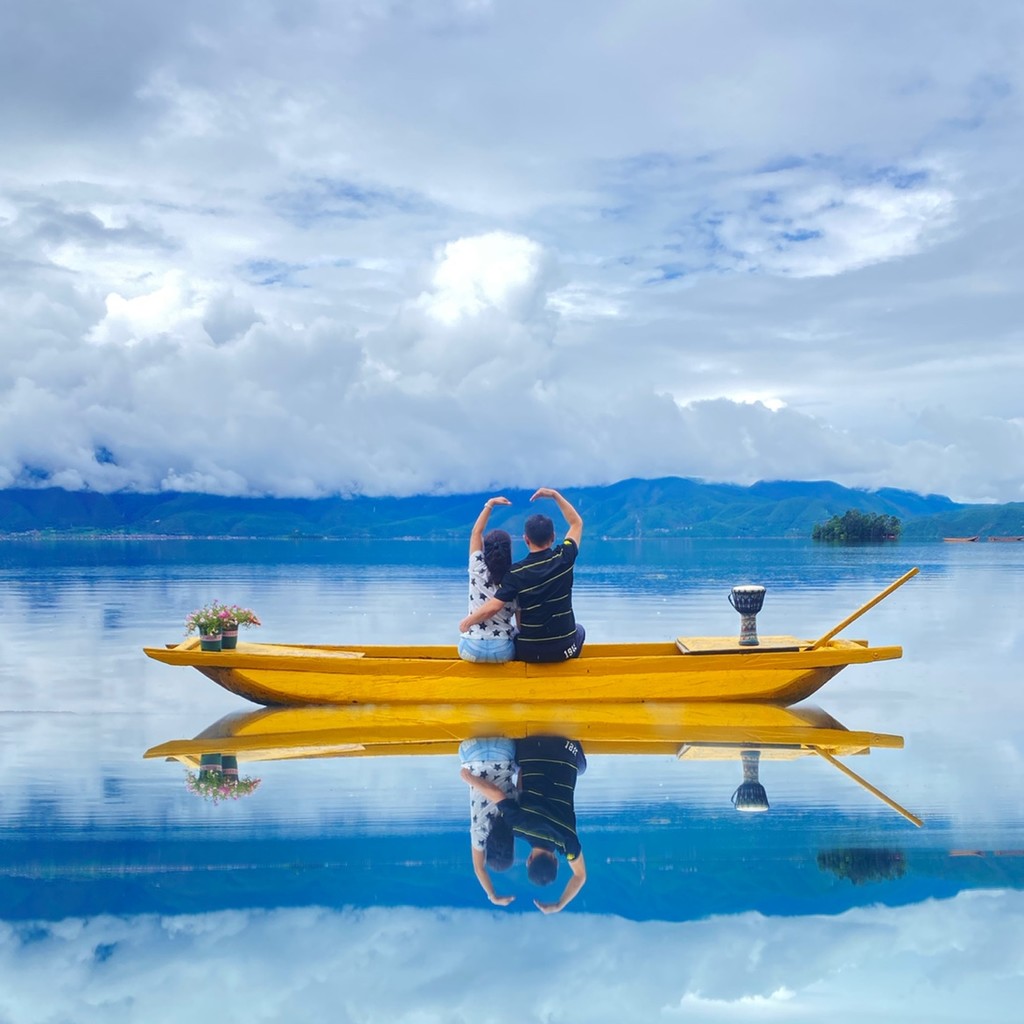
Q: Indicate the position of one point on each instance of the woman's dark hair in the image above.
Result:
(497, 555)
(500, 843)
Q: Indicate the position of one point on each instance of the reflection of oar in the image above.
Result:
(862, 609)
(871, 789)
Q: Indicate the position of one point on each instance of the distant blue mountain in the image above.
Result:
(667, 507)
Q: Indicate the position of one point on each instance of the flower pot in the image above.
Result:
(210, 642)
(210, 762)
(229, 765)
(229, 639)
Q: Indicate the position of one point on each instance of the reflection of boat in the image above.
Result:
(700, 730)
(781, 669)
(960, 540)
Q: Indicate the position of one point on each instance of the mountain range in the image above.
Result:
(668, 507)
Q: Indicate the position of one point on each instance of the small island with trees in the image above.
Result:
(854, 527)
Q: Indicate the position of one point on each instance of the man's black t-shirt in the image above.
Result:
(546, 814)
(542, 584)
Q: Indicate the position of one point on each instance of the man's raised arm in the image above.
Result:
(573, 520)
(572, 887)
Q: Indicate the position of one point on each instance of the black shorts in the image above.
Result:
(554, 748)
(559, 650)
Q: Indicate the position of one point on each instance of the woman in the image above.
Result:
(490, 557)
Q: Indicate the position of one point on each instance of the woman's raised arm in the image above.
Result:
(476, 537)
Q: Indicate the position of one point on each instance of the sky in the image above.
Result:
(305, 248)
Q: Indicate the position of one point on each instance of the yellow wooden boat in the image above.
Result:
(781, 670)
(688, 730)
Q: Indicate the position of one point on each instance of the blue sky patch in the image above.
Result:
(337, 198)
(667, 272)
(269, 272)
(801, 235)
(783, 163)
(899, 178)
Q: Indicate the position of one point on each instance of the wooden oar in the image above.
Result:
(913, 818)
(862, 609)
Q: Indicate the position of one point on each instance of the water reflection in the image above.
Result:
(699, 730)
(491, 742)
(342, 885)
(218, 779)
(864, 865)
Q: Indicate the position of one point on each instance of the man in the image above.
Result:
(541, 584)
(545, 814)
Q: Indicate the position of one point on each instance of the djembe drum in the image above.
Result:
(747, 600)
(750, 795)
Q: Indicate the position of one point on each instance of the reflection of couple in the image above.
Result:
(535, 593)
(541, 809)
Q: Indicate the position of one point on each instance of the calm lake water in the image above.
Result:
(342, 889)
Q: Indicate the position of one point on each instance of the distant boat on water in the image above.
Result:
(974, 540)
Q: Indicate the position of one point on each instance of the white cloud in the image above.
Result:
(335, 234)
(494, 271)
(820, 229)
(149, 315)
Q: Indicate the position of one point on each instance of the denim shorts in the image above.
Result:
(486, 650)
(487, 748)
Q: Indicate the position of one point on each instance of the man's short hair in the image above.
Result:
(539, 530)
(542, 867)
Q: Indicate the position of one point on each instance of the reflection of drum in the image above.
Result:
(750, 795)
(747, 600)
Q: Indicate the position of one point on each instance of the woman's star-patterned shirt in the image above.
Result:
(482, 811)
(501, 626)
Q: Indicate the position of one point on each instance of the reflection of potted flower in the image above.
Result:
(217, 625)
(218, 779)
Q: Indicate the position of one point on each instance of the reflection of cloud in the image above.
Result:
(952, 960)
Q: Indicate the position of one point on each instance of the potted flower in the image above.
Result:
(209, 624)
(217, 625)
(233, 616)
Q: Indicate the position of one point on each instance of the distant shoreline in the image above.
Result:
(85, 537)
(669, 508)
(89, 536)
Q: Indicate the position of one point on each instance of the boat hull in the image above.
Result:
(283, 675)
(691, 731)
